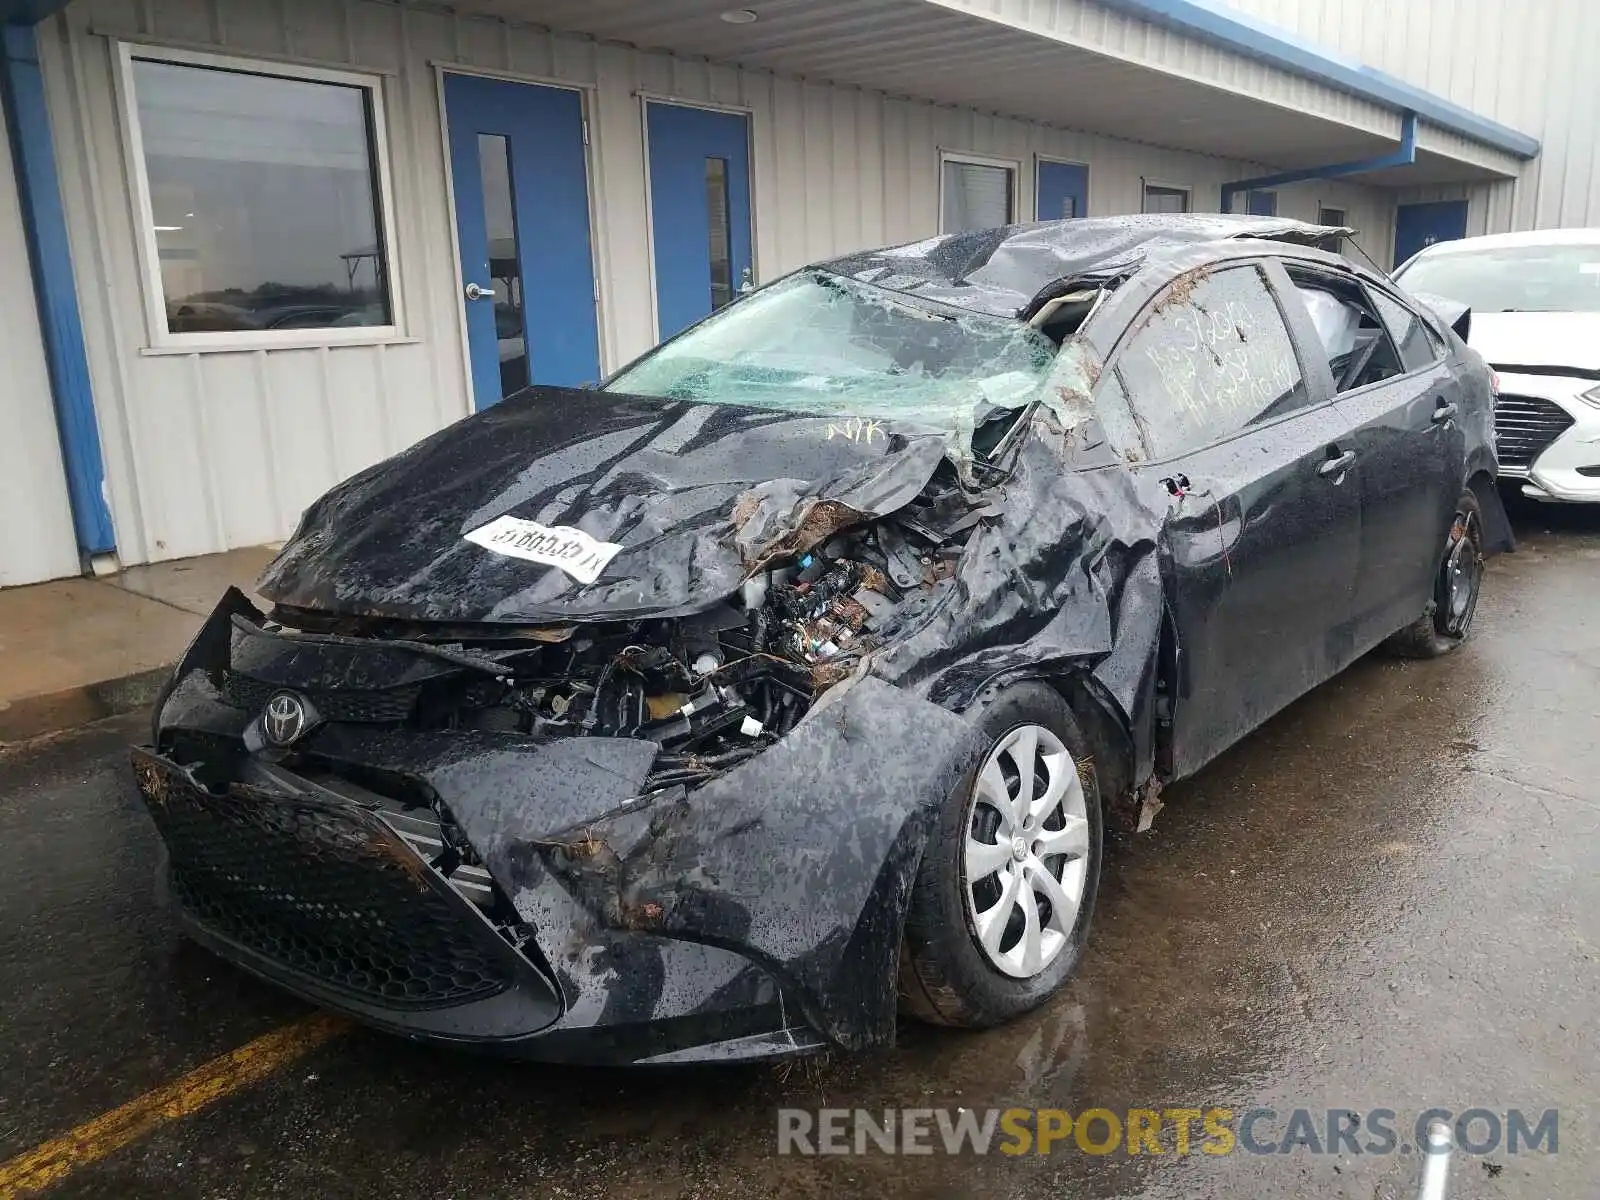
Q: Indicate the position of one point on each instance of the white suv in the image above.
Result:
(1535, 301)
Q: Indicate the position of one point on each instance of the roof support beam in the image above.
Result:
(1404, 156)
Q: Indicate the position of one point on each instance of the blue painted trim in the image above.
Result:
(1213, 22)
(45, 227)
(28, 12)
(1404, 156)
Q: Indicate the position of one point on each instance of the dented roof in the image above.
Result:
(1009, 271)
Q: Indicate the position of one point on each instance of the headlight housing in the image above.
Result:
(1592, 396)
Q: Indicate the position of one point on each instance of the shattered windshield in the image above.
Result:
(820, 343)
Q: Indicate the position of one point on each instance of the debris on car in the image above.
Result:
(788, 681)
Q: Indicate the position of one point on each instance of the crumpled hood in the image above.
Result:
(696, 495)
(1508, 340)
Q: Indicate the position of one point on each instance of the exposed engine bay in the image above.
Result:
(712, 689)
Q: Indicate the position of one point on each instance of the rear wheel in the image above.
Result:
(1001, 906)
(1457, 583)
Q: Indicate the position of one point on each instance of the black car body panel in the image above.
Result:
(664, 890)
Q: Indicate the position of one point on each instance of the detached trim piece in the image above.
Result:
(56, 293)
(1220, 26)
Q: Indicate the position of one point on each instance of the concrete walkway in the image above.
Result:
(76, 650)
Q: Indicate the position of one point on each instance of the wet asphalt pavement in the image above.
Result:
(1387, 897)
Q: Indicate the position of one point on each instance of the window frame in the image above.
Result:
(982, 160)
(161, 339)
(1338, 238)
(1261, 265)
(1038, 158)
(1376, 293)
(1146, 185)
(1367, 289)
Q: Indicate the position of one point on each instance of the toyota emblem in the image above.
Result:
(285, 719)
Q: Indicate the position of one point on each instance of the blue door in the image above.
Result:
(1062, 190)
(699, 210)
(1261, 203)
(522, 217)
(1418, 226)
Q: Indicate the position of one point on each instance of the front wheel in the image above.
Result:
(1000, 909)
(1455, 590)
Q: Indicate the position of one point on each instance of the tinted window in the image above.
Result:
(1209, 358)
(264, 197)
(1358, 348)
(1563, 278)
(1407, 329)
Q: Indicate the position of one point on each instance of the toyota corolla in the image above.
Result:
(789, 681)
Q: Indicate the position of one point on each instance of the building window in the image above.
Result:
(1331, 216)
(976, 193)
(1159, 199)
(262, 197)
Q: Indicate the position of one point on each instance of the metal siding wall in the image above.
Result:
(1527, 65)
(36, 538)
(1096, 27)
(231, 447)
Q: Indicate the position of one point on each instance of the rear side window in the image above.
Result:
(1408, 330)
(1210, 357)
(1358, 347)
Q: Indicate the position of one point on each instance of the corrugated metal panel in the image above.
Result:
(206, 451)
(1068, 62)
(36, 538)
(1528, 65)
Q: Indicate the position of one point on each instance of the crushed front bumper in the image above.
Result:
(755, 917)
(321, 894)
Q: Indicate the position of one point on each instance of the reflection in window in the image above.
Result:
(264, 198)
(976, 196)
(719, 232)
(1211, 358)
(505, 261)
(1416, 350)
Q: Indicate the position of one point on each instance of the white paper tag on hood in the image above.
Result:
(573, 550)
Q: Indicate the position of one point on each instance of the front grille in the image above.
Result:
(332, 704)
(329, 891)
(1524, 427)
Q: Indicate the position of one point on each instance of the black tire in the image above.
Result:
(1457, 583)
(945, 976)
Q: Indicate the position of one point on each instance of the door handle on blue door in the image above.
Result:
(1337, 464)
(1445, 412)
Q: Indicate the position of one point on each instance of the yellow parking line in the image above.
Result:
(109, 1132)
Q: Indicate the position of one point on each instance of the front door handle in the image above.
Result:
(477, 292)
(1445, 412)
(1337, 466)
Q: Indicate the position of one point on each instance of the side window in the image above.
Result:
(1210, 357)
(1408, 330)
(1359, 349)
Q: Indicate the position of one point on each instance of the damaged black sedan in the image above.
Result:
(788, 682)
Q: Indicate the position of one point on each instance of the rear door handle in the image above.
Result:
(1445, 412)
(1337, 466)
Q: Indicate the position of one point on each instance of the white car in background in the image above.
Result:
(1535, 301)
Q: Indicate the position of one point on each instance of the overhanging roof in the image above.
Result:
(1221, 25)
(1088, 65)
